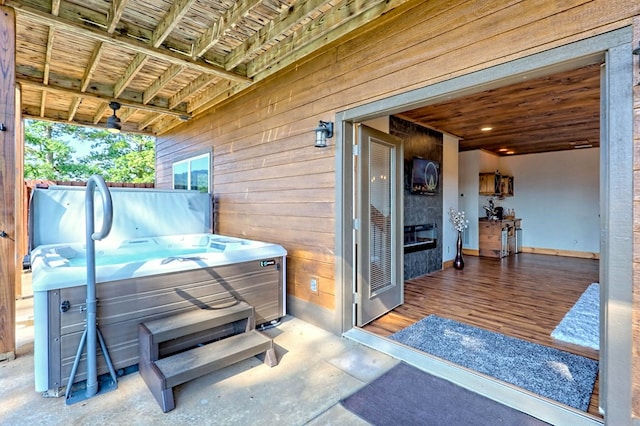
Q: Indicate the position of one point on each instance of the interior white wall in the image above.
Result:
(449, 194)
(468, 184)
(556, 194)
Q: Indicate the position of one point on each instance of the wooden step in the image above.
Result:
(197, 320)
(180, 368)
(161, 375)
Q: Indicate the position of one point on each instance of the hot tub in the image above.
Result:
(142, 279)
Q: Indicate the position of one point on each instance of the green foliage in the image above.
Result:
(50, 154)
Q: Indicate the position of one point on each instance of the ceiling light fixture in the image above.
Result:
(486, 128)
(113, 122)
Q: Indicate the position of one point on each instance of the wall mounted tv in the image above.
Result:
(425, 176)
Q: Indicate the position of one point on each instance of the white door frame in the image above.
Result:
(616, 238)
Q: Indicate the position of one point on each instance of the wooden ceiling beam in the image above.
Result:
(80, 122)
(55, 7)
(166, 123)
(73, 109)
(134, 67)
(123, 102)
(267, 35)
(91, 67)
(225, 23)
(115, 14)
(99, 112)
(169, 21)
(43, 103)
(124, 42)
(151, 91)
(47, 56)
(55, 10)
(344, 18)
(213, 96)
(148, 120)
(191, 88)
(126, 114)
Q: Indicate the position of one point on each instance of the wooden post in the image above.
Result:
(7, 182)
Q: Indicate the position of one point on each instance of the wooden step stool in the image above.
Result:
(162, 374)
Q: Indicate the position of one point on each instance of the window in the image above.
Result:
(192, 173)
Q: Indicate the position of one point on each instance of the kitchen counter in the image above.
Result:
(497, 236)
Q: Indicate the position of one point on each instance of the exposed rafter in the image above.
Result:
(188, 67)
(93, 64)
(224, 24)
(124, 42)
(171, 73)
(123, 102)
(197, 84)
(100, 113)
(134, 67)
(115, 13)
(74, 108)
(338, 21)
(170, 20)
(149, 120)
(55, 7)
(287, 21)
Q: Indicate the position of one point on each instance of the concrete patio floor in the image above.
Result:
(316, 369)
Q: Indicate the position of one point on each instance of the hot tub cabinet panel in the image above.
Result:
(125, 303)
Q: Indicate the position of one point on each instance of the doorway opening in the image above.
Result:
(611, 156)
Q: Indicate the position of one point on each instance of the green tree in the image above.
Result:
(122, 157)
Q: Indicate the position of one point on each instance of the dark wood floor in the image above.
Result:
(524, 296)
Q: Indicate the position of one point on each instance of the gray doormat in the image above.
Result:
(555, 374)
(406, 395)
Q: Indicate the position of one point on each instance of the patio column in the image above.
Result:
(8, 124)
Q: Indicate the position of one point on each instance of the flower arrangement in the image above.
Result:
(458, 220)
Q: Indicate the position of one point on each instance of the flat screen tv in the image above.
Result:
(425, 176)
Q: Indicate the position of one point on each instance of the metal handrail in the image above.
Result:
(91, 333)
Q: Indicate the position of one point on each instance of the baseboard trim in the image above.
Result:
(536, 250)
(565, 253)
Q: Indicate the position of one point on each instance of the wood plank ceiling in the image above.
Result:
(165, 61)
(168, 61)
(552, 113)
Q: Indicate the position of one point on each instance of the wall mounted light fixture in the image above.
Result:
(324, 131)
(113, 122)
(3, 128)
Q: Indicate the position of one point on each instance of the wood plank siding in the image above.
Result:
(272, 184)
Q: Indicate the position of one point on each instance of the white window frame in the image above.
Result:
(189, 161)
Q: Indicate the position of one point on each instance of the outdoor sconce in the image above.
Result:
(3, 128)
(113, 122)
(324, 131)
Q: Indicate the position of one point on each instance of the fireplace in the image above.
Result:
(420, 237)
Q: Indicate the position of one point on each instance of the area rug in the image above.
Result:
(581, 325)
(406, 395)
(558, 375)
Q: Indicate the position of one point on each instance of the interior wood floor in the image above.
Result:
(524, 295)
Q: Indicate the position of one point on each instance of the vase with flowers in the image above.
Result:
(459, 223)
